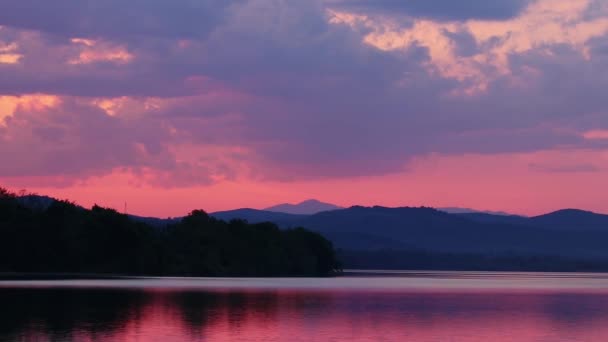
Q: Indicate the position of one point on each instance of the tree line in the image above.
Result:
(432, 260)
(65, 238)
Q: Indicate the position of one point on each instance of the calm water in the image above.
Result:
(400, 307)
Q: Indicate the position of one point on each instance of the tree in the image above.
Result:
(66, 238)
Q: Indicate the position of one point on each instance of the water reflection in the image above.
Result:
(52, 314)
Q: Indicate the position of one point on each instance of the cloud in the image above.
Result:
(439, 9)
(569, 168)
(63, 140)
(478, 52)
(95, 52)
(8, 54)
(68, 137)
(284, 90)
(116, 19)
(597, 134)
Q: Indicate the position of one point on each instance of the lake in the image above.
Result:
(384, 306)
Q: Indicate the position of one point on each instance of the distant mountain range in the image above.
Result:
(453, 210)
(313, 206)
(308, 207)
(257, 216)
(571, 233)
(565, 233)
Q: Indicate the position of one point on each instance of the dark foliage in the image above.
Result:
(69, 239)
(426, 260)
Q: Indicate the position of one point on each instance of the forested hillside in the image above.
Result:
(66, 238)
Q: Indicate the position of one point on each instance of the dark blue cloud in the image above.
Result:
(116, 18)
(442, 9)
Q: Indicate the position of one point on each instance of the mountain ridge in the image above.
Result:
(458, 210)
(307, 207)
(568, 232)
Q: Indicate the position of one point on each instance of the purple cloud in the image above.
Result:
(78, 140)
(132, 20)
(277, 88)
(441, 9)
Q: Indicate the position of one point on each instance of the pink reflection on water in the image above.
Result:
(426, 317)
(172, 316)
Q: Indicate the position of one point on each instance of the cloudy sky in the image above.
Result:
(171, 105)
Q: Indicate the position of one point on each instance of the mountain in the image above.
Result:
(566, 219)
(501, 219)
(455, 210)
(257, 216)
(389, 236)
(432, 230)
(309, 207)
(156, 222)
(380, 228)
(36, 202)
(65, 238)
(572, 219)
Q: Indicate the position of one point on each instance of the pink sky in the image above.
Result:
(527, 184)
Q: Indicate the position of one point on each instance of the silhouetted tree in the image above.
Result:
(67, 238)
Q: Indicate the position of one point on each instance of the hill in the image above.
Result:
(64, 238)
(572, 219)
(433, 230)
(308, 207)
(455, 210)
(565, 233)
(383, 237)
(492, 219)
(566, 220)
(258, 216)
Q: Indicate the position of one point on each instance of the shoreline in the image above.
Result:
(347, 273)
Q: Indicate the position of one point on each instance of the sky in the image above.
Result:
(174, 105)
